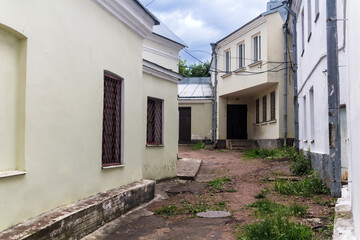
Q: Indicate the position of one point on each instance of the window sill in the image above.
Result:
(309, 37)
(5, 174)
(226, 75)
(302, 53)
(111, 167)
(155, 145)
(272, 121)
(240, 69)
(305, 141)
(265, 123)
(254, 64)
(312, 141)
(317, 17)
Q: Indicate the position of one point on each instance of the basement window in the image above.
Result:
(154, 133)
(112, 120)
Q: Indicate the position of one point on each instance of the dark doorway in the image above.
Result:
(184, 125)
(236, 122)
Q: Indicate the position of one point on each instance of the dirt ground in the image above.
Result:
(247, 179)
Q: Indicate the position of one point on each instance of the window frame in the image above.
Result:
(241, 55)
(302, 32)
(317, 10)
(112, 98)
(309, 12)
(256, 41)
(264, 105)
(257, 110)
(227, 61)
(272, 105)
(151, 140)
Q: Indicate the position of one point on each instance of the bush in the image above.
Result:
(276, 229)
(301, 164)
(312, 184)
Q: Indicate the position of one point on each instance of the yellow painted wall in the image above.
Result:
(160, 161)
(69, 45)
(161, 54)
(201, 119)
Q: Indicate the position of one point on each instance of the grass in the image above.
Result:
(218, 184)
(266, 207)
(192, 208)
(262, 194)
(275, 229)
(198, 146)
(312, 184)
(301, 164)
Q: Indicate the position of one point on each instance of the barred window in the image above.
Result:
(272, 104)
(264, 108)
(154, 121)
(111, 139)
(257, 111)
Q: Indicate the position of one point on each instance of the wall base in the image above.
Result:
(274, 143)
(320, 163)
(76, 220)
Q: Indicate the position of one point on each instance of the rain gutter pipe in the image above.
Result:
(285, 26)
(214, 112)
(296, 105)
(333, 98)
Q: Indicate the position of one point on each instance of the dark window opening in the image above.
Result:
(154, 133)
(257, 111)
(264, 108)
(272, 103)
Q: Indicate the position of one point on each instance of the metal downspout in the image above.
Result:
(333, 98)
(285, 83)
(213, 45)
(296, 105)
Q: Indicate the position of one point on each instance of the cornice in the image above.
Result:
(163, 73)
(130, 13)
(165, 42)
(160, 53)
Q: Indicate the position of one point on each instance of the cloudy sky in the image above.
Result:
(200, 22)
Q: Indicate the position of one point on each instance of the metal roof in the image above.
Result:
(163, 31)
(199, 88)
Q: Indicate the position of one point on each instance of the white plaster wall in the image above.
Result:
(160, 161)
(354, 123)
(70, 44)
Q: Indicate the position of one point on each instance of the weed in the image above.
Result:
(198, 146)
(220, 151)
(298, 210)
(194, 208)
(312, 184)
(231, 190)
(271, 153)
(275, 229)
(220, 206)
(329, 203)
(218, 184)
(268, 207)
(167, 210)
(262, 194)
(301, 164)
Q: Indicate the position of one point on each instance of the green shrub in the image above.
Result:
(198, 146)
(312, 184)
(275, 229)
(301, 164)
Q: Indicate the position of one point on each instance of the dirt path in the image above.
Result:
(241, 181)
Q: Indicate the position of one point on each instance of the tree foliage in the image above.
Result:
(194, 70)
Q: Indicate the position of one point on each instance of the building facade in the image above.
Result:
(250, 81)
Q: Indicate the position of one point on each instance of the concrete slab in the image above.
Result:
(344, 228)
(214, 214)
(187, 168)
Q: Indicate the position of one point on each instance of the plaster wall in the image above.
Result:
(201, 118)
(69, 45)
(159, 162)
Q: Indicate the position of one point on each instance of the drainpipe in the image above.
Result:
(214, 130)
(333, 98)
(296, 105)
(285, 83)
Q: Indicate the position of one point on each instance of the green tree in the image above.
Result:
(194, 70)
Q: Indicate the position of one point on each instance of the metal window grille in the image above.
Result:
(257, 111)
(111, 142)
(154, 121)
(264, 108)
(272, 103)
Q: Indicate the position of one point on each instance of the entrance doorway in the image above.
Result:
(184, 124)
(237, 122)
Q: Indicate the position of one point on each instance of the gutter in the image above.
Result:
(285, 26)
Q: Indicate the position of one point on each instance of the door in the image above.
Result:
(236, 121)
(184, 125)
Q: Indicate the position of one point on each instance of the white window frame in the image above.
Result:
(312, 114)
(317, 10)
(309, 12)
(302, 32)
(241, 55)
(227, 61)
(256, 42)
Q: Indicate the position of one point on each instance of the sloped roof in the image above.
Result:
(199, 88)
(163, 31)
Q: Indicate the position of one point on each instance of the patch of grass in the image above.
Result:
(220, 206)
(262, 194)
(220, 151)
(301, 164)
(266, 207)
(329, 203)
(298, 210)
(312, 184)
(218, 183)
(271, 153)
(198, 146)
(231, 190)
(194, 208)
(275, 229)
(167, 211)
